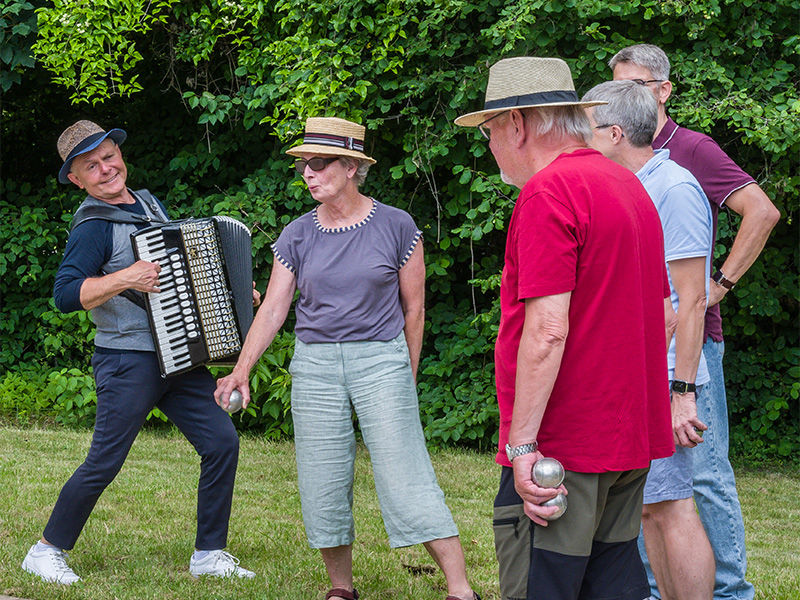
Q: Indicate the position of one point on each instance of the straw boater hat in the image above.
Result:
(526, 82)
(80, 138)
(334, 137)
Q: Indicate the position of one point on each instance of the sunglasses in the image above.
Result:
(646, 81)
(317, 163)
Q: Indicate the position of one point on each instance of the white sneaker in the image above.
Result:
(218, 563)
(50, 564)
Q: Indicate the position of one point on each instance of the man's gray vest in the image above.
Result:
(120, 323)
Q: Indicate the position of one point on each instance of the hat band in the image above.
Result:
(532, 99)
(336, 141)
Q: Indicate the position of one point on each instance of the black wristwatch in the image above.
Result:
(720, 279)
(682, 387)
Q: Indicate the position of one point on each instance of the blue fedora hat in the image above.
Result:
(80, 138)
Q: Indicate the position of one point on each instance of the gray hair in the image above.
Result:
(630, 105)
(362, 167)
(651, 57)
(560, 121)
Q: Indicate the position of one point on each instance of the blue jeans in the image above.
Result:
(329, 381)
(715, 487)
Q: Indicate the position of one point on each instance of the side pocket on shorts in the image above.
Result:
(512, 544)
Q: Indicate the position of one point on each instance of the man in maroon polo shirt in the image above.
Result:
(724, 183)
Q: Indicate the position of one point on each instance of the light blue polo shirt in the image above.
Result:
(686, 220)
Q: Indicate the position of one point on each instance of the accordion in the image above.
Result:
(205, 306)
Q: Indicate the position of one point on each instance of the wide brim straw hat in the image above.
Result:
(332, 136)
(80, 138)
(526, 82)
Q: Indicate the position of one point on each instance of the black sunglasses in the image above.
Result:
(317, 163)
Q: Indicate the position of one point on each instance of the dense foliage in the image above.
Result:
(213, 91)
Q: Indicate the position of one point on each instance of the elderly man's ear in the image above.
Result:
(74, 179)
(616, 134)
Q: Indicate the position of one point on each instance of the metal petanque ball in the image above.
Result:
(234, 401)
(561, 502)
(547, 472)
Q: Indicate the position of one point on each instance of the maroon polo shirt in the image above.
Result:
(718, 175)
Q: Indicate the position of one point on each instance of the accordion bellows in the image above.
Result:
(205, 307)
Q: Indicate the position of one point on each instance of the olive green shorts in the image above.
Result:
(601, 524)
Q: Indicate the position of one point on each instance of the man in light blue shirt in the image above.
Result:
(681, 562)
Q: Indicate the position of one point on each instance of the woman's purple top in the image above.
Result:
(348, 276)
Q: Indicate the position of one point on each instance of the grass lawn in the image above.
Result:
(139, 538)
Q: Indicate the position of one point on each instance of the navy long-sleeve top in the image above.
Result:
(89, 247)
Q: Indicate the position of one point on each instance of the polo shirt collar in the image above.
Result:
(666, 133)
(652, 164)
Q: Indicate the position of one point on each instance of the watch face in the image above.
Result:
(682, 387)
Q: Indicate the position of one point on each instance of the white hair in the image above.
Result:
(560, 121)
(630, 106)
(362, 167)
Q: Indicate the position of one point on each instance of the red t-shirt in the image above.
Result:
(585, 225)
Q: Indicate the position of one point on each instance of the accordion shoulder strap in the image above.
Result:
(95, 209)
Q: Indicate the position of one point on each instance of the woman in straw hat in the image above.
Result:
(359, 267)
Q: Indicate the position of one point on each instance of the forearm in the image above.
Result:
(759, 217)
(98, 290)
(689, 339)
(541, 348)
(413, 331)
(670, 320)
(538, 363)
(268, 320)
(750, 239)
(265, 327)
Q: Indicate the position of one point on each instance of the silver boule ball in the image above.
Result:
(547, 472)
(234, 401)
(561, 502)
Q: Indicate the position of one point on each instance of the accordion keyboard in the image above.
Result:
(204, 308)
(175, 321)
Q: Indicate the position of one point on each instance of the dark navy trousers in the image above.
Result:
(129, 385)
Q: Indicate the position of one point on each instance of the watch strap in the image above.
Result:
(513, 452)
(719, 278)
(682, 387)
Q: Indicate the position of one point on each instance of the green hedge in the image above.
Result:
(212, 92)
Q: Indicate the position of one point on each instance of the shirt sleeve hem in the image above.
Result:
(687, 254)
(282, 260)
(523, 293)
(411, 248)
(736, 189)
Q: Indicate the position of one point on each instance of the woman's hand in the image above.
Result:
(226, 385)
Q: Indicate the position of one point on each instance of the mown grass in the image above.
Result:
(138, 541)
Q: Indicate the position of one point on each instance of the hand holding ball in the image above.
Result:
(234, 402)
(549, 473)
(561, 502)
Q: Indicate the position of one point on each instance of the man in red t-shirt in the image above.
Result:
(581, 351)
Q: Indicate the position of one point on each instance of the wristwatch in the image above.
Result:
(681, 387)
(513, 452)
(720, 279)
